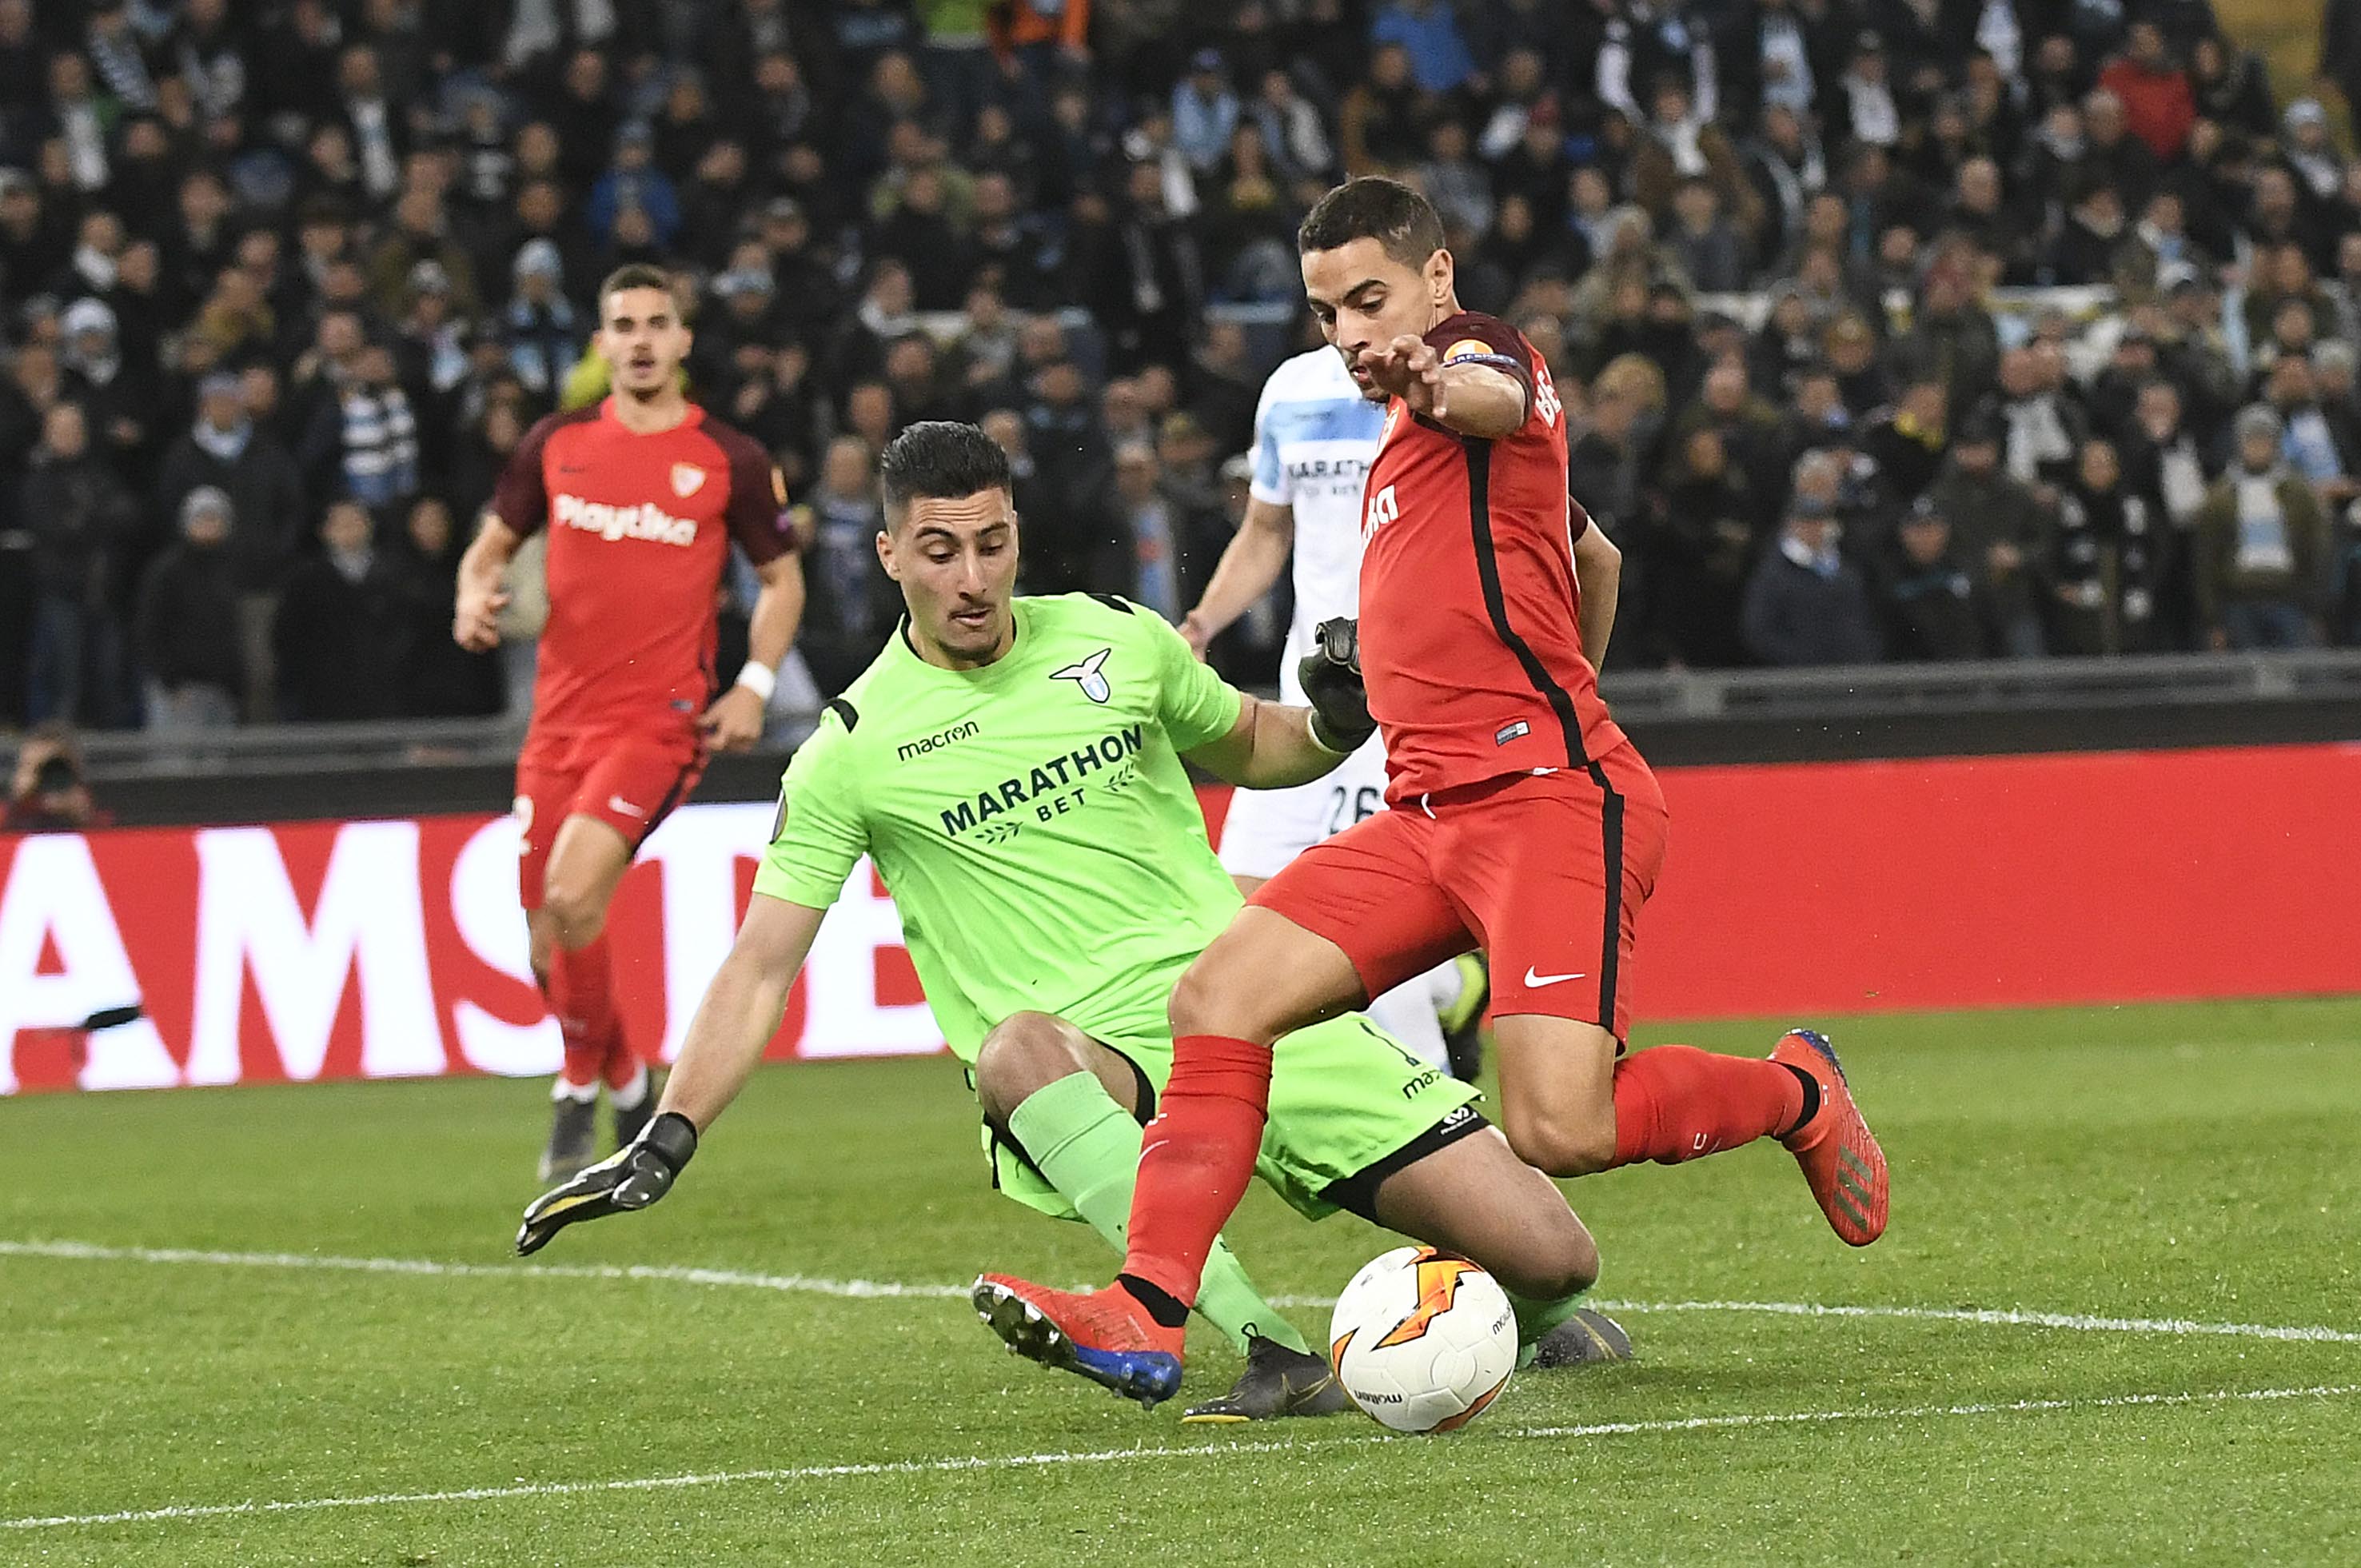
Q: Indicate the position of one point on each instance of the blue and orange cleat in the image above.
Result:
(1105, 1336)
(1839, 1153)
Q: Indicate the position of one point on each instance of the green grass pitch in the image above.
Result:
(2199, 1164)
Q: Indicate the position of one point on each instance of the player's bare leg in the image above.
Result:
(1431, 1015)
(587, 862)
(1570, 1107)
(1557, 1092)
(1071, 1107)
(1262, 977)
(1477, 1198)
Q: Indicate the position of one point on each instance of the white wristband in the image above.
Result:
(760, 679)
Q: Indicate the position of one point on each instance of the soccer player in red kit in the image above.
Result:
(643, 494)
(1524, 822)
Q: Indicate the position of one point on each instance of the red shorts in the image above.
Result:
(630, 781)
(1546, 872)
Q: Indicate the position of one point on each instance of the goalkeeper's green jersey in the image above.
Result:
(1031, 818)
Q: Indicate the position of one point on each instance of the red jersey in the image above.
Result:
(639, 535)
(1470, 644)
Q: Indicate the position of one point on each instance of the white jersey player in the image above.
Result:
(1314, 437)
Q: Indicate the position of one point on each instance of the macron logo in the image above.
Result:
(646, 520)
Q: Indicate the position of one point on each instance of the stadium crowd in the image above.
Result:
(1907, 329)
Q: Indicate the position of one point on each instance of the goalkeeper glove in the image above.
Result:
(631, 1177)
(1331, 674)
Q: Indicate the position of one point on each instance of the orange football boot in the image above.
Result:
(1839, 1153)
(1105, 1336)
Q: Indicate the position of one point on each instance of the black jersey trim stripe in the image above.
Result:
(1114, 602)
(1610, 939)
(1495, 605)
(845, 711)
(672, 798)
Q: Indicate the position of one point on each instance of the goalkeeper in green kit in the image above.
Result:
(1012, 767)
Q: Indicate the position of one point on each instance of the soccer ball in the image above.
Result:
(1423, 1341)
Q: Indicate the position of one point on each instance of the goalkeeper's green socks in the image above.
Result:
(1535, 1319)
(1088, 1147)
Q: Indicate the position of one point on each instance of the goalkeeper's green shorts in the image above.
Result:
(1350, 1106)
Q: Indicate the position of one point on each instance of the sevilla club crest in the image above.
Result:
(688, 478)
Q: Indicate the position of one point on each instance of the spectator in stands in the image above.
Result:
(1609, 461)
(343, 633)
(83, 520)
(421, 234)
(2043, 429)
(2261, 546)
(1057, 547)
(2158, 104)
(543, 333)
(2311, 153)
(2231, 85)
(439, 678)
(1706, 244)
(1294, 135)
(919, 233)
(2311, 444)
(2000, 528)
(1807, 604)
(189, 632)
(1204, 111)
(226, 450)
(370, 432)
(2335, 365)
(1850, 348)
(1714, 516)
(119, 394)
(379, 131)
(1429, 30)
(2108, 562)
(1154, 528)
(1225, 388)
(848, 619)
(870, 414)
(1936, 608)
(1379, 125)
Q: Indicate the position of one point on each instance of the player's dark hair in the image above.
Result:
(941, 459)
(633, 275)
(1400, 220)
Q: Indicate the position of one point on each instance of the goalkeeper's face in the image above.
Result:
(955, 559)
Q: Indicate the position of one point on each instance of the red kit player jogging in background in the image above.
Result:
(643, 494)
(1523, 821)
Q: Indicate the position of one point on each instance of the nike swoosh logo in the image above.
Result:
(1537, 980)
(617, 803)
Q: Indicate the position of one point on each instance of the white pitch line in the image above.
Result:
(864, 1289)
(1194, 1451)
(2005, 1316)
(88, 1252)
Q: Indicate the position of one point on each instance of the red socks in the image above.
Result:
(1197, 1159)
(1677, 1102)
(581, 992)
